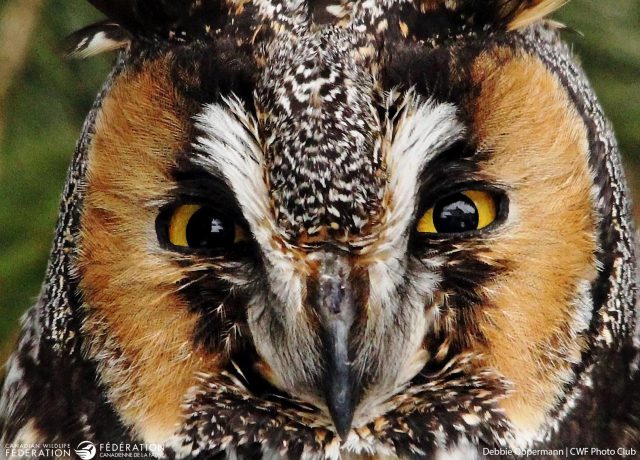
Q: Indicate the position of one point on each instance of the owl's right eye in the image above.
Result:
(196, 226)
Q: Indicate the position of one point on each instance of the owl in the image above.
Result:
(311, 229)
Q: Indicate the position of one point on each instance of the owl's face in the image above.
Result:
(337, 222)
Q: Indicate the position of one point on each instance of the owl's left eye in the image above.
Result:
(460, 212)
(196, 226)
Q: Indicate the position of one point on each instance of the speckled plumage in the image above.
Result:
(326, 129)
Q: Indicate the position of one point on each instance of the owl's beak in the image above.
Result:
(336, 306)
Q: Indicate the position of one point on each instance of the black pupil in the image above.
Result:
(455, 214)
(208, 228)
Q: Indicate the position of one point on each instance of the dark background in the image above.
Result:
(44, 99)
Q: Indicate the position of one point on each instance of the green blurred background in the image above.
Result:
(44, 99)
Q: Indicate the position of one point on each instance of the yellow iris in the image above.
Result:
(483, 202)
(179, 222)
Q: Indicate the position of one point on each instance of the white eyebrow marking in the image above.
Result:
(229, 146)
(425, 129)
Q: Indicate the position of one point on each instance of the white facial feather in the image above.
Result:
(229, 145)
(425, 129)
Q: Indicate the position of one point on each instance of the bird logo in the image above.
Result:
(86, 450)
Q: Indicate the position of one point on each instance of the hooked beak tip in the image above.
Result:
(342, 407)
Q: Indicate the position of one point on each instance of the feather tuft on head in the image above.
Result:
(530, 11)
(509, 14)
(96, 39)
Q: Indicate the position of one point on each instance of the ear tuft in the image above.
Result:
(166, 18)
(96, 39)
(491, 14)
(527, 12)
(121, 11)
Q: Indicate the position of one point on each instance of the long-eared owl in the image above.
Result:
(307, 229)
